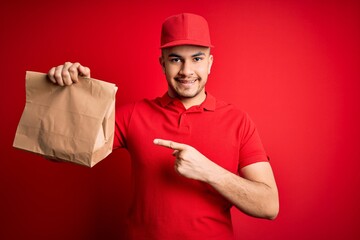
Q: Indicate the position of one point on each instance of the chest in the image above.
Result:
(214, 134)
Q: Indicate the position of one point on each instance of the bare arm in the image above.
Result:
(254, 192)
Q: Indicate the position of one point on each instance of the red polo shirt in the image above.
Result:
(167, 205)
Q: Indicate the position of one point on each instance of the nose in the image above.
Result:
(186, 69)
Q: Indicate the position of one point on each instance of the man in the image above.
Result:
(194, 157)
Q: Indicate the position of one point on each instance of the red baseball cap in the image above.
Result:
(185, 29)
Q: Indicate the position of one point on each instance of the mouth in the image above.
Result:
(185, 81)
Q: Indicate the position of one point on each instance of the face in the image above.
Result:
(187, 68)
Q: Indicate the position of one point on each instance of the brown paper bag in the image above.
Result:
(73, 123)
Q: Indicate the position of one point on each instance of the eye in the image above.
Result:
(197, 59)
(175, 60)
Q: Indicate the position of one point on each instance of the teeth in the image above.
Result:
(184, 81)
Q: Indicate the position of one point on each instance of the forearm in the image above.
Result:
(251, 197)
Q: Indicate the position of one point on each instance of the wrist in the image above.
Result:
(217, 175)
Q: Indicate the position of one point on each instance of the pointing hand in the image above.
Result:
(189, 162)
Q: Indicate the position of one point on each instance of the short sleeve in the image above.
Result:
(122, 120)
(251, 149)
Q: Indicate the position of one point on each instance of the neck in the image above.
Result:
(193, 101)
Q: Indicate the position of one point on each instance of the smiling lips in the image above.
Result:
(185, 81)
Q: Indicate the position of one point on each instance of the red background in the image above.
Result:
(292, 65)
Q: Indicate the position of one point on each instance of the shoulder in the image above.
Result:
(230, 109)
(233, 116)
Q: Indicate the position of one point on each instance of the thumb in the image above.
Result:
(84, 71)
(176, 153)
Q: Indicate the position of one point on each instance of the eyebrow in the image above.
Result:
(194, 55)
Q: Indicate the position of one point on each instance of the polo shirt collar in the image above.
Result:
(209, 103)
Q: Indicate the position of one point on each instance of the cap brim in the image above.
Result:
(186, 42)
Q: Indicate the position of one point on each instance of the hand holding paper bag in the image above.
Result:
(68, 73)
(74, 123)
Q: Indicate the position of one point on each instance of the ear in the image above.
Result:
(211, 60)
(162, 63)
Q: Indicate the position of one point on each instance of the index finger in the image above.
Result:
(170, 144)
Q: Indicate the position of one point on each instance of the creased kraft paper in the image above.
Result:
(72, 123)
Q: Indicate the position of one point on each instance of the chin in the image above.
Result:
(187, 94)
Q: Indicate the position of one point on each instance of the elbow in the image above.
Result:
(272, 210)
(273, 206)
(273, 215)
(268, 208)
(268, 211)
(270, 214)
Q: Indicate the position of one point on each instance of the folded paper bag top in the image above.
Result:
(74, 123)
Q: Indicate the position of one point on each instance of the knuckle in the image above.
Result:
(72, 70)
(65, 74)
(57, 75)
